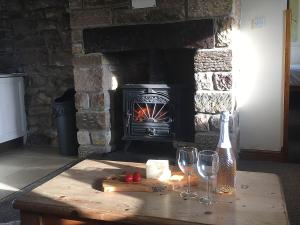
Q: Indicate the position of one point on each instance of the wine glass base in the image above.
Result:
(205, 200)
(185, 194)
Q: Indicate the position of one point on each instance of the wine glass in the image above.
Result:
(207, 166)
(187, 158)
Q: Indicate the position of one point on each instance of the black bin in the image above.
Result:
(65, 117)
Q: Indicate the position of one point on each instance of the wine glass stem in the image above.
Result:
(208, 188)
(189, 183)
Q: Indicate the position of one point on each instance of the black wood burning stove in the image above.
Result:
(157, 111)
(149, 112)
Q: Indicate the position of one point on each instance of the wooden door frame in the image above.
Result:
(287, 62)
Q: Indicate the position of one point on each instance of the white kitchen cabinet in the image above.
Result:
(12, 109)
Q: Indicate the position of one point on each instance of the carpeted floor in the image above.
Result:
(289, 174)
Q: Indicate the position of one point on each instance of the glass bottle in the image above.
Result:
(227, 162)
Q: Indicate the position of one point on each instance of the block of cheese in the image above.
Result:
(158, 169)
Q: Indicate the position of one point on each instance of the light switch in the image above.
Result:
(258, 22)
(138, 4)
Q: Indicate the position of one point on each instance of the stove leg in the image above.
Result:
(127, 145)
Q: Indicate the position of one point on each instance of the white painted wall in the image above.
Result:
(259, 55)
(295, 46)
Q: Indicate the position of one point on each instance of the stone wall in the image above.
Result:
(7, 47)
(215, 87)
(213, 95)
(94, 72)
(37, 40)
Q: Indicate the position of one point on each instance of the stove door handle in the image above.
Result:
(151, 131)
(128, 119)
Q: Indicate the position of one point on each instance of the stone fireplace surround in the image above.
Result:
(103, 28)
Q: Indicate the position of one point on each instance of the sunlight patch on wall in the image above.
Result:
(114, 83)
(246, 63)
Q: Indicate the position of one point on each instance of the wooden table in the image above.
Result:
(73, 198)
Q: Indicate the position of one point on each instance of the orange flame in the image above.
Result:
(142, 113)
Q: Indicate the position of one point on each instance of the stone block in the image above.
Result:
(204, 81)
(107, 78)
(148, 15)
(82, 100)
(49, 135)
(38, 110)
(170, 3)
(213, 102)
(77, 36)
(41, 120)
(6, 45)
(202, 122)
(36, 81)
(214, 122)
(46, 25)
(207, 140)
(7, 62)
(222, 81)
(86, 150)
(209, 8)
(60, 58)
(5, 23)
(34, 5)
(39, 138)
(99, 101)
(30, 42)
(5, 15)
(40, 99)
(54, 13)
(223, 31)
(24, 26)
(75, 4)
(83, 137)
(90, 18)
(33, 57)
(87, 60)
(13, 6)
(88, 79)
(6, 34)
(55, 40)
(106, 3)
(101, 137)
(93, 120)
(47, 72)
(77, 49)
(35, 15)
(213, 60)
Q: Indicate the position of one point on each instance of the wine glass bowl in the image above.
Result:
(187, 158)
(207, 167)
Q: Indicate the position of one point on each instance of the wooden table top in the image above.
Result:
(74, 194)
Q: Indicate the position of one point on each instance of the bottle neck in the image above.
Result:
(224, 140)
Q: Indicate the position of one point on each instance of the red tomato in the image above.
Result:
(137, 177)
(128, 178)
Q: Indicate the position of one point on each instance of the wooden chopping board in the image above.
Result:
(116, 184)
